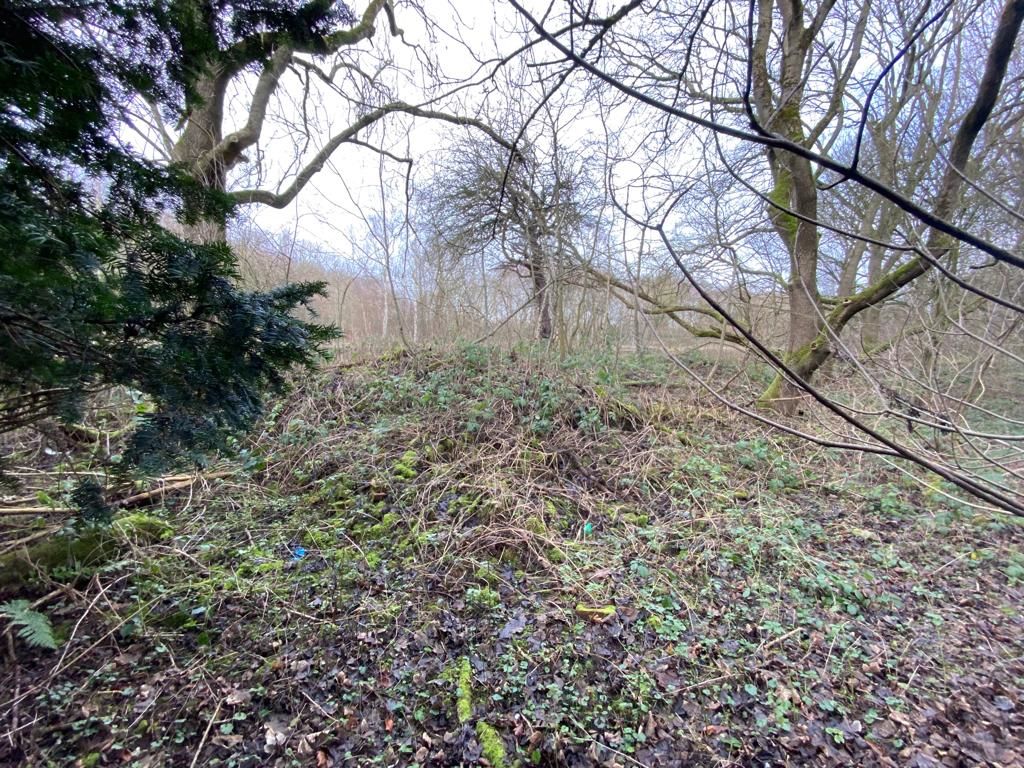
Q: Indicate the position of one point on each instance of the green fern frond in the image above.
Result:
(34, 627)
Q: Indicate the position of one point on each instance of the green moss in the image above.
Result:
(334, 492)
(483, 598)
(536, 526)
(491, 745)
(87, 548)
(405, 467)
(636, 519)
(464, 691)
(780, 196)
(141, 528)
(486, 574)
(321, 539)
(389, 521)
(770, 395)
(376, 523)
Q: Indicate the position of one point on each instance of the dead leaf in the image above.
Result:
(238, 698)
(595, 613)
(515, 625)
(277, 732)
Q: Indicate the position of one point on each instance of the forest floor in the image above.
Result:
(473, 558)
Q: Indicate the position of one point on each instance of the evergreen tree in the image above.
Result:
(94, 291)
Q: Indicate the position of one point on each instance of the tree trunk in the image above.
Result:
(203, 131)
(539, 276)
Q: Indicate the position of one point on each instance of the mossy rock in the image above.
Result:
(87, 548)
(141, 528)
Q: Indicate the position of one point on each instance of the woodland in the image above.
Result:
(511, 383)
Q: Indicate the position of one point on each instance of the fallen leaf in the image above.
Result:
(238, 698)
(515, 625)
(595, 613)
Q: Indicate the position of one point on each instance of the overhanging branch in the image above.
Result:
(283, 198)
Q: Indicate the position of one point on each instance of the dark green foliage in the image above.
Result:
(94, 291)
(88, 499)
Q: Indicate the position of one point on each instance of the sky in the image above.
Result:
(332, 208)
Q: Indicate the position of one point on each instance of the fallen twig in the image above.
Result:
(206, 734)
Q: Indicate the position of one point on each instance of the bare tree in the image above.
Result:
(775, 76)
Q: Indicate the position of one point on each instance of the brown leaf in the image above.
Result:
(238, 698)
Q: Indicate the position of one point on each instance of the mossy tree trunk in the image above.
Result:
(777, 103)
(794, 196)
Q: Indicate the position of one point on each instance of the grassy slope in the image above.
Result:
(451, 559)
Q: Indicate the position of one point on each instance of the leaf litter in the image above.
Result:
(632, 576)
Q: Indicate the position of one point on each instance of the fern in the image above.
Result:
(35, 628)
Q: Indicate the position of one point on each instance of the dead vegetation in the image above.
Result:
(630, 574)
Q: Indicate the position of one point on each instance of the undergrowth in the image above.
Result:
(474, 558)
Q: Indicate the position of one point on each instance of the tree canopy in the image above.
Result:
(96, 287)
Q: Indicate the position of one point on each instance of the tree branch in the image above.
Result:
(281, 199)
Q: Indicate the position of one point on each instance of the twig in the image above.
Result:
(19, 511)
(29, 539)
(140, 498)
(206, 734)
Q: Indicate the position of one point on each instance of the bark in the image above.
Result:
(807, 359)
(795, 187)
(202, 149)
(539, 278)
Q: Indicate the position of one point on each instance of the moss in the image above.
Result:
(344, 555)
(320, 539)
(636, 519)
(86, 548)
(141, 528)
(486, 575)
(464, 691)
(780, 196)
(483, 598)
(405, 467)
(379, 530)
(333, 492)
(770, 395)
(536, 526)
(491, 745)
